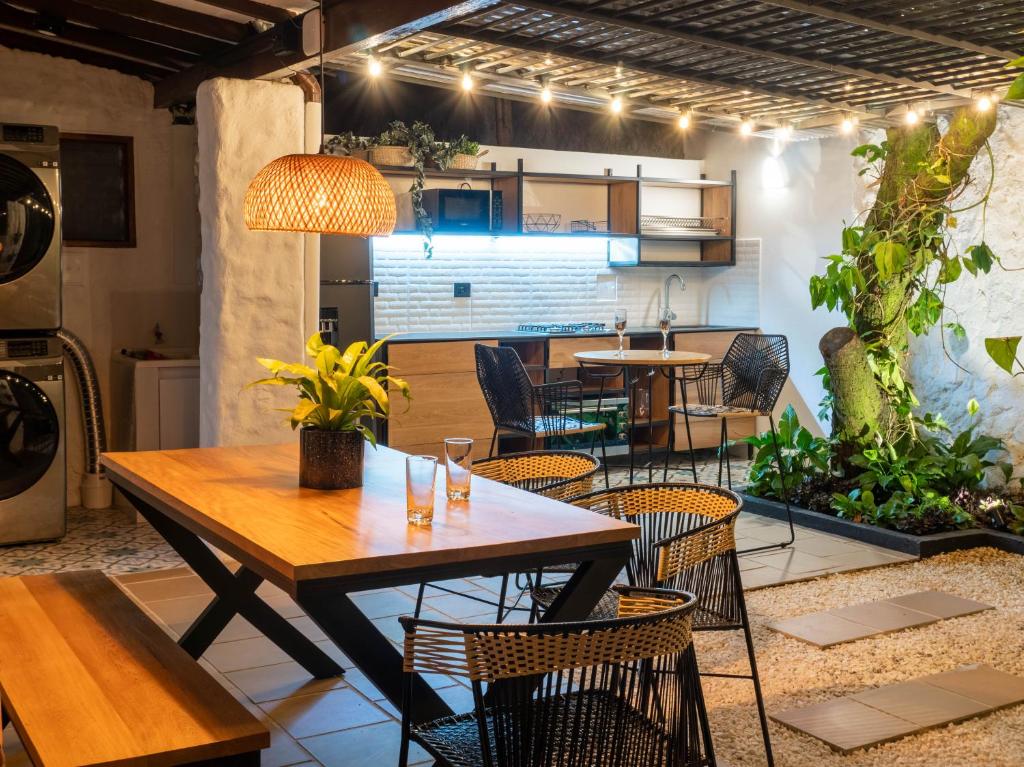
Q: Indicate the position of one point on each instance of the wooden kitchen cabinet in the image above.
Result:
(707, 432)
(446, 397)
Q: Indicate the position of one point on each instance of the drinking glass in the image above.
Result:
(458, 458)
(665, 325)
(420, 476)
(620, 326)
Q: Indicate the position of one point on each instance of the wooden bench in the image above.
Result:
(88, 679)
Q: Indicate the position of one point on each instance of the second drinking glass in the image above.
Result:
(458, 456)
(420, 478)
(620, 326)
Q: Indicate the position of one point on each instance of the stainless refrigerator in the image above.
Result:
(346, 290)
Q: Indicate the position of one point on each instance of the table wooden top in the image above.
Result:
(90, 679)
(641, 357)
(247, 501)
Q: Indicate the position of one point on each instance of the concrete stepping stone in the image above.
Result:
(894, 711)
(847, 624)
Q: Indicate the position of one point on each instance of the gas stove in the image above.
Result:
(554, 328)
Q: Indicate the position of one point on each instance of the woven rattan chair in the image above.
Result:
(558, 474)
(747, 382)
(539, 411)
(622, 692)
(687, 541)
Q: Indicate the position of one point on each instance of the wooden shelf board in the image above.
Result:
(402, 170)
(682, 183)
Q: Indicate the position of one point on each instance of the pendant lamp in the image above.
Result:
(320, 193)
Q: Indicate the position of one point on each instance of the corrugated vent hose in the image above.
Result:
(96, 491)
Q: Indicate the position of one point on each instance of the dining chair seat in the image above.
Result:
(711, 411)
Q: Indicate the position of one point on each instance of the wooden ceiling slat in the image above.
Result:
(178, 18)
(129, 26)
(260, 11)
(100, 41)
(53, 47)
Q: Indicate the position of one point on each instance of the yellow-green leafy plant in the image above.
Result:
(342, 391)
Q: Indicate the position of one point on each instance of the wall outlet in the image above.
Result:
(462, 290)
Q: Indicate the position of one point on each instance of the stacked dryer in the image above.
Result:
(32, 468)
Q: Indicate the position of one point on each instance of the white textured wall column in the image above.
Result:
(252, 299)
(311, 267)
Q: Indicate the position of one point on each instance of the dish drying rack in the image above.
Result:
(710, 225)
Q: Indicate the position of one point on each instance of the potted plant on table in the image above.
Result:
(339, 398)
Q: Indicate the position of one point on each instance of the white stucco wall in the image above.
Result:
(113, 297)
(795, 199)
(987, 306)
(252, 299)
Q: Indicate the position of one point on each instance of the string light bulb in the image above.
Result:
(912, 117)
(684, 121)
(848, 124)
(785, 132)
(467, 81)
(984, 103)
(746, 128)
(615, 105)
(373, 66)
(545, 95)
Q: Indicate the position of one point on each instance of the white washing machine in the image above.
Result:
(30, 233)
(32, 474)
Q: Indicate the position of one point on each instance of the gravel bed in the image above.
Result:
(794, 673)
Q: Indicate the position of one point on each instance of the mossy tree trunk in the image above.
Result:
(910, 195)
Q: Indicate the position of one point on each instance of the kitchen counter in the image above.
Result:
(517, 335)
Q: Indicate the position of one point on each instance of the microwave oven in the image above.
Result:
(463, 210)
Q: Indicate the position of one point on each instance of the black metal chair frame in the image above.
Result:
(518, 405)
(619, 692)
(748, 381)
(686, 550)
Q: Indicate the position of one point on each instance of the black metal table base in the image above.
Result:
(235, 595)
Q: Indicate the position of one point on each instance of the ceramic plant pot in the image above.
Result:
(330, 460)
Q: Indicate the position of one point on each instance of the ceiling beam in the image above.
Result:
(100, 41)
(260, 11)
(129, 26)
(895, 29)
(53, 47)
(179, 18)
(677, 73)
(349, 26)
(711, 40)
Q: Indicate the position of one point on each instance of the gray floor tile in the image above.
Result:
(982, 683)
(302, 716)
(940, 604)
(845, 724)
(374, 746)
(923, 704)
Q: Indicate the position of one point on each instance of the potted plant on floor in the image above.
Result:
(339, 399)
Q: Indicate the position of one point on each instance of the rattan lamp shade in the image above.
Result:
(320, 193)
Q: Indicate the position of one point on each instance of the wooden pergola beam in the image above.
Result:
(53, 47)
(260, 11)
(349, 26)
(895, 29)
(178, 18)
(713, 41)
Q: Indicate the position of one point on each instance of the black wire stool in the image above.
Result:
(748, 381)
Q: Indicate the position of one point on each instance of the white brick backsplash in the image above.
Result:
(526, 279)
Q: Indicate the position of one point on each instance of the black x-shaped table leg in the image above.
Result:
(235, 595)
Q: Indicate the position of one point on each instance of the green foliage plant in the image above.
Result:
(341, 391)
(803, 456)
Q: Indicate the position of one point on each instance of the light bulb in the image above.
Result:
(984, 104)
(545, 94)
(616, 105)
(684, 122)
(846, 126)
(467, 81)
(746, 128)
(785, 132)
(373, 67)
(912, 117)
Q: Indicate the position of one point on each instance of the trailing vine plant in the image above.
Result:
(891, 276)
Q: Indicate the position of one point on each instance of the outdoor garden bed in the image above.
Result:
(918, 545)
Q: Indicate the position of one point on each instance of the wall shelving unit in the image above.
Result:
(628, 245)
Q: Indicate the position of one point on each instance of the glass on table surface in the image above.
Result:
(458, 458)
(420, 480)
(665, 325)
(620, 326)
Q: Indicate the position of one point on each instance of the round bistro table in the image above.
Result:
(634, 364)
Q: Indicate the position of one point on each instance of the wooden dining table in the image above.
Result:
(321, 546)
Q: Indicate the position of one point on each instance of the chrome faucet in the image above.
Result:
(668, 283)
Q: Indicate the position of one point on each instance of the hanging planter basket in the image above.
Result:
(396, 156)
